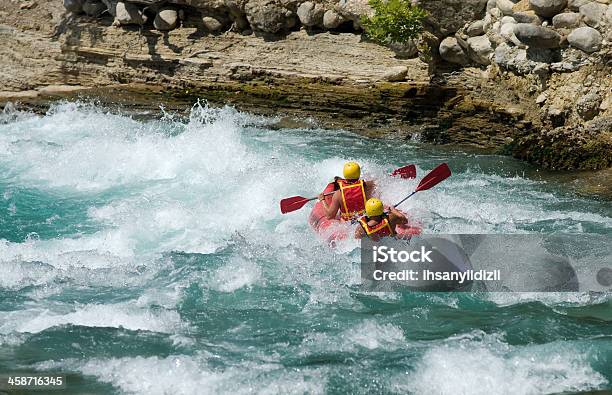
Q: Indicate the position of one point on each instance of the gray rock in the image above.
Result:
(507, 19)
(567, 20)
(166, 19)
(406, 49)
(491, 4)
(547, 8)
(585, 38)
(129, 14)
(537, 36)
(496, 13)
(588, 106)
(266, 16)
(575, 5)
(507, 32)
(527, 17)
(394, 74)
(212, 24)
(609, 16)
(353, 10)
(93, 7)
(75, 6)
(505, 7)
(331, 19)
(310, 14)
(593, 13)
(452, 52)
(480, 49)
(111, 6)
(447, 17)
(475, 29)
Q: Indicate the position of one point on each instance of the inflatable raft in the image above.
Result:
(333, 230)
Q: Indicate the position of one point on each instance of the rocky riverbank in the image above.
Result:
(519, 78)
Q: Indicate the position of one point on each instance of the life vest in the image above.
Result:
(382, 229)
(353, 199)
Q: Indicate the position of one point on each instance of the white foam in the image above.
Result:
(192, 375)
(237, 274)
(484, 364)
(368, 334)
(126, 316)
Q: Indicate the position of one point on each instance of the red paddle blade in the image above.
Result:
(293, 203)
(405, 172)
(440, 173)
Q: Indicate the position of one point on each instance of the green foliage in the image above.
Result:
(394, 21)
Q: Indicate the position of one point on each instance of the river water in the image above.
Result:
(146, 253)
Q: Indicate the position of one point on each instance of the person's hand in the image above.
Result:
(387, 209)
(321, 197)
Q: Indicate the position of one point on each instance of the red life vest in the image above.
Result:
(353, 198)
(382, 229)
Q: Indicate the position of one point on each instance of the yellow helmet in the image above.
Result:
(352, 171)
(374, 207)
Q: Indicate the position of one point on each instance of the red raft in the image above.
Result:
(333, 230)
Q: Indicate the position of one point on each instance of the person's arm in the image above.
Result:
(396, 217)
(332, 209)
(370, 186)
(359, 232)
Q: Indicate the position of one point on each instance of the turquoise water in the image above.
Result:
(146, 254)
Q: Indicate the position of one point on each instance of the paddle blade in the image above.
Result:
(440, 173)
(293, 203)
(405, 172)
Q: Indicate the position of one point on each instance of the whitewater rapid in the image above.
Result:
(147, 253)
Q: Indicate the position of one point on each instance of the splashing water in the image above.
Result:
(150, 256)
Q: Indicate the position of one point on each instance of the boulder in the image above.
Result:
(475, 29)
(447, 17)
(537, 36)
(505, 7)
(406, 49)
(212, 24)
(588, 106)
(567, 20)
(111, 6)
(547, 8)
(521, 6)
(166, 19)
(491, 4)
(93, 7)
(593, 13)
(480, 49)
(507, 19)
(507, 32)
(394, 74)
(353, 10)
(310, 14)
(527, 17)
(75, 6)
(451, 51)
(266, 16)
(129, 14)
(585, 38)
(331, 19)
(575, 5)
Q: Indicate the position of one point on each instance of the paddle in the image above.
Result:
(297, 202)
(405, 172)
(440, 173)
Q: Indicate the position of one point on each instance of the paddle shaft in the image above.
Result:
(404, 199)
(325, 194)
